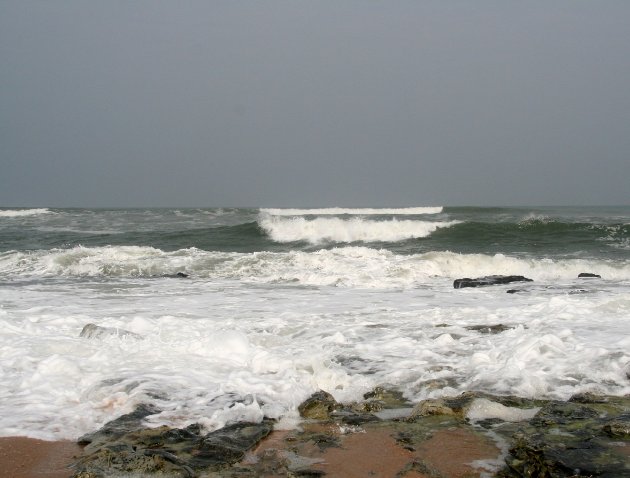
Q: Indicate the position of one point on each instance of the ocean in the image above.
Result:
(216, 315)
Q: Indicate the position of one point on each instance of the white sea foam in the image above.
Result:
(335, 229)
(23, 212)
(215, 351)
(252, 334)
(338, 211)
(342, 267)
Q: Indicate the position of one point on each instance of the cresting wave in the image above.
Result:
(336, 229)
(352, 211)
(24, 212)
(341, 267)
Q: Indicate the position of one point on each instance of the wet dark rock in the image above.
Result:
(319, 406)
(356, 419)
(585, 275)
(307, 473)
(381, 398)
(516, 291)
(93, 331)
(324, 440)
(488, 280)
(619, 428)
(587, 436)
(588, 397)
(561, 413)
(120, 426)
(178, 275)
(490, 329)
(164, 450)
(458, 406)
(227, 445)
(570, 439)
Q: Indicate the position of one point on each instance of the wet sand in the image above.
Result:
(22, 457)
(373, 451)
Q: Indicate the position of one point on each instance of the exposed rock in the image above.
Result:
(573, 439)
(588, 435)
(488, 280)
(460, 405)
(385, 398)
(431, 407)
(588, 397)
(619, 428)
(586, 275)
(119, 427)
(93, 331)
(319, 406)
(163, 450)
(561, 413)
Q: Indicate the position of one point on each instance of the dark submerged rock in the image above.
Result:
(585, 275)
(178, 275)
(488, 280)
(490, 329)
(93, 331)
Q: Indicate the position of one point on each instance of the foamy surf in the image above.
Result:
(258, 324)
(340, 267)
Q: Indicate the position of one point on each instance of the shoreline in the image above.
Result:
(376, 450)
(470, 435)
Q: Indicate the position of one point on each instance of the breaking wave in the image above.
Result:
(343, 267)
(339, 211)
(24, 212)
(335, 229)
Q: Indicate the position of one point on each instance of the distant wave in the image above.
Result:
(23, 212)
(335, 229)
(338, 211)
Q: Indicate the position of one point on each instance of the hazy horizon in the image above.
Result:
(314, 104)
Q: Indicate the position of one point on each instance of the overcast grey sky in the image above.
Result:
(314, 103)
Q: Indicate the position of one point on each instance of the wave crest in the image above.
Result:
(335, 229)
(24, 212)
(340, 211)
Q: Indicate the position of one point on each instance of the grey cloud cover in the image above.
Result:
(314, 103)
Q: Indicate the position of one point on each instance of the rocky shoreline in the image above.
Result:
(473, 434)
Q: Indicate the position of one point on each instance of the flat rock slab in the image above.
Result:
(488, 280)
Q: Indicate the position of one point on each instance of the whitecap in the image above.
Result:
(352, 211)
(24, 212)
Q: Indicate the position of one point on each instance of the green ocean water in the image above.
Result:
(591, 232)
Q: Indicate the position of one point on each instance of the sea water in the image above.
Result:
(279, 303)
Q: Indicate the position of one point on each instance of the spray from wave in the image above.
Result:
(339, 211)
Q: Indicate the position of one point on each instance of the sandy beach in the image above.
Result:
(369, 452)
